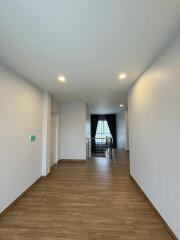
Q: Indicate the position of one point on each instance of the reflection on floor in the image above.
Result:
(83, 201)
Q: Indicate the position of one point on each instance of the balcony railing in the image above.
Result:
(101, 147)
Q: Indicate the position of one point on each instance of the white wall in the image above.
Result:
(88, 132)
(46, 136)
(21, 107)
(154, 120)
(126, 130)
(53, 140)
(122, 130)
(55, 106)
(88, 123)
(73, 130)
(55, 131)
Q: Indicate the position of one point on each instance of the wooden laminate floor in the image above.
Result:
(84, 201)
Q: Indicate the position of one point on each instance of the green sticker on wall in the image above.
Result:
(32, 138)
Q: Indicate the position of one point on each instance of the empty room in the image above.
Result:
(89, 119)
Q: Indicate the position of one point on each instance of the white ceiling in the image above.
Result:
(89, 41)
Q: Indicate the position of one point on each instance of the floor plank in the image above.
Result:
(84, 201)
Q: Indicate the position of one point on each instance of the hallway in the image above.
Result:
(84, 201)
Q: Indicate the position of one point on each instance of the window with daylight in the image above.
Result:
(102, 131)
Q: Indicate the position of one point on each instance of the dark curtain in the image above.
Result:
(94, 123)
(111, 120)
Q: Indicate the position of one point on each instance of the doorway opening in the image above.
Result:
(103, 135)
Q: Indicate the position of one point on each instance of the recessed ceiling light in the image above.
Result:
(122, 76)
(121, 105)
(61, 78)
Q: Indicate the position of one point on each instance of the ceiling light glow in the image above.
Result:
(122, 76)
(121, 105)
(61, 78)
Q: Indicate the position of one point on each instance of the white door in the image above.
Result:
(53, 140)
(55, 135)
